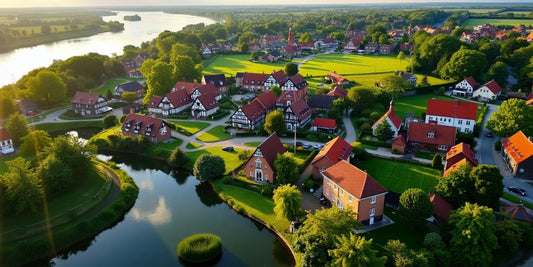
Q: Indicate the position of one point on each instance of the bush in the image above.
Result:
(358, 151)
(498, 146)
(200, 248)
(209, 167)
(110, 120)
(436, 163)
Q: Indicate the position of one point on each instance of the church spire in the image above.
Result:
(391, 107)
(290, 41)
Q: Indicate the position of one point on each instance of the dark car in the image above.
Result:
(517, 190)
(228, 148)
(489, 134)
(307, 146)
(298, 143)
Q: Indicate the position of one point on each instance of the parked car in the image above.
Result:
(517, 190)
(318, 147)
(228, 148)
(307, 146)
(489, 134)
(298, 143)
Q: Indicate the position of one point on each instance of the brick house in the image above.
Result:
(518, 154)
(155, 129)
(430, 137)
(333, 151)
(260, 167)
(6, 143)
(461, 115)
(89, 104)
(347, 186)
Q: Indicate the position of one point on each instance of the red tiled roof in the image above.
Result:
(267, 100)
(456, 166)
(85, 98)
(270, 148)
(518, 146)
(178, 98)
(301, 109)
(494, 87)
(280, 76)
(336, 78)
(470, 80)
(257, 78)
(441, 207)
(452, 108)
(443, 135)
(334, 151)
(146, 122)
(338, 91)
(253, 110)
(208, 101)
(154, 101)
(391, 114)
(4, 134)
(519, 212)
(189, 87)
(298, 81)
(325, 123)
(352, 179)
(463, 149)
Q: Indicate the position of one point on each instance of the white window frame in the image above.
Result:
(373, 200)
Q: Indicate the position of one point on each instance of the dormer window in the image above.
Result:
(431, 134)
(137, 127)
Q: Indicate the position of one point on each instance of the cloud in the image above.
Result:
(161, 215)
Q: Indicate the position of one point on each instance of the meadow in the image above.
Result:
(350, 64)
(496, 22)
(231, 64)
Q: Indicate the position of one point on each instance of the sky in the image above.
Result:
(70, 3)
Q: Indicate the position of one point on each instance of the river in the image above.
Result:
(169, 208)
(16, 63)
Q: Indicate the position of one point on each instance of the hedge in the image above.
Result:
(200, 248)
(263, 189)
(375, 143)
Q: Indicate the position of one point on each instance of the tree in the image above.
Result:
(243, 47)
(275, 123)
(318, 234)
(306, 37)
(7, 106)
(109, 94)
(21, 187)
(401, 256)
(401, 56)
(355, 251)
(395, 84)
(436, 163)
(499, 71)
(291, 69)
(47, 88)
(109, 120)
(129, 97)
(472, 235)
(209, 167)
(17, 126)
(464, 63)
(288, 202)
(180, 49)
(286, 169)
(433, 52)
(55, 175)
(74, 154)
(383, 97)
(34, 143)
(457, 188)
(512, 115)
(158, 80)
(361, 98)
(177, 159)
(510, 234)
(244, 154)
(185, 69)
(415, 206)
(275, 90)
(383, 131)
(488, 184)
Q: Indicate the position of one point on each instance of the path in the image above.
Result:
(116, 181)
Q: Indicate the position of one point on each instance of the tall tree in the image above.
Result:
(74, 154)
(22, 187)
(401, 56)
(361, 98)
(55, 175)
(34, 143)
(383, 131)
(185, 69)
(512, 115)
(17, 126)
(180, 49)
(286, 169)
(291, 69)
(464, 63)
(415, 206)
(159, 80)
(435, 52)
(401, 256)
(499, 71)
(274, 122)
(209, 167)
(457, 188)
(7, 106)
(47, 88)
(355, 251)
(472, 235)
(129, 97)
(275, 90)
(395, 84)
(177, 158)
(109, 120)
(488, 185)
(288, 201)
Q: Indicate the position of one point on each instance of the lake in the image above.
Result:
(169, 208)
(16, 63)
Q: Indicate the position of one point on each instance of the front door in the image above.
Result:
(371, 220)
(258, 175)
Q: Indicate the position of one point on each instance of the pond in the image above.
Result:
(170, 207)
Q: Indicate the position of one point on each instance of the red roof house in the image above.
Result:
(333, 151)
(518, 153)
(155, 129)
(298, 114)
(260, 167)
(89, 104)
(391, 118)
(459, 152)
(432, 137)
(441, 208)
(337, 78)
(488, 91)
(324, 125)
(519, 212)
(461, 115)
(204, 105)
(6, 143)
(338, 91)
(455, 166)
(254, 82)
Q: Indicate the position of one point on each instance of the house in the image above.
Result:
(385, 49)
(260, 167)
(252, 114)
(333, 151)
(430, 136)
(323, 125)
(306, 45)
(204, 105)
(409, 77)
(459, 152)
(219, 81)
(517, 95)
(297, 114)
(238, 79)
(132, 108)
(321, 102)
(128, 63)
(337, 79)
(26, 107)
(407, 47)
(461, 115)
(135, 74)
(371, 48)
(89, 104)
(398, 144)
(529, 37)
(171, 103)
(346, 186)
(442, 209)
(155, 129)
(133, 87)
(519, 212)
(338, 91)
(353, 44)
(253, 47)
(205, 50)
(271, 56)
(254, 82)
(140, 58)
(294, 89)
(518, 154)
(6, 143)
(465, 87)
(488, 91)
(326, 44)
(277, 78)
(390, 118)
(454, 167)
(291, 51)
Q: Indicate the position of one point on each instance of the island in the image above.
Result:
(133, 18)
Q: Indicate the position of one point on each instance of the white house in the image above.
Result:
(461, 115)
(204, 105)
(391, 118)
(276, 78)
(409, 77)
(488, 91)
(172, 103)
(6, 144)
(466, 87)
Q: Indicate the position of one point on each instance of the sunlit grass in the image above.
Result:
(346, 64)
(496, 22)
(231, 158)
(231, 64)
(193, 145)
(191, 126)
(215, 134)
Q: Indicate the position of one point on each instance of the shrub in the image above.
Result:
(358, 151)
(436, 163)
(200, 248)
(209, 167)
(498, 146)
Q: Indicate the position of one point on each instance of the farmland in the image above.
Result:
(496, 22)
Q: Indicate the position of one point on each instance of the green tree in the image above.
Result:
(434, 52)
(209, 167)
(510, 234)
(401, 56)
(383, 131)
(47, 87)
(185, 69)
(401, 256)
(146, 67)
(395, 84)
(488, 184)
(436, 163)
(291, 69)
(109, 94)
(415, 206)
(464, 63)
(129, 97)
(457, 188)
(23, 194)
(512, 115)
(17, 126)
(180, 49)
(74, 154)
(177, 159)
(34, 143)
(158, 80)
(275, 123)
(243, 47)
(306, 37)
(355, 251)
(286, 169)
(288, 202)
(7, 106)
(499, 71)
(318, 234)
(472, 235)
(55, 175)
(361, 98)
(276, 90)
(109, 120)
(244, 154)
(384, 97)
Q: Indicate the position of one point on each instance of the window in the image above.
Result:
(327, 191)
(467, 122)
(372, 212)
(335, 187)
(266, 176)
(258, 164)
(342, 192)
(350, 199)
(251, 173)
(323, 169)
(460, 121)
(431, 134)
(373, 200)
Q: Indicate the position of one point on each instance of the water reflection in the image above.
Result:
(206, 194)
(160, 215)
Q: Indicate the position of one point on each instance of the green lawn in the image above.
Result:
(231, 64)
(215, 134)
(61, 126)
(399, 176)
(110, 85)
(230, 158)
(193, 145)
(170, 145)
(191, 126)
(345, 64)
(416, 104)
(496, 22)
(252, 144)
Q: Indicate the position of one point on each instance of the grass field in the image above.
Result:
(55, 127)
(252, 144)
(110, 85)
(191, 126)
(230, 158)
(496, 22)
(170, 145)
(193, 145)
(232, 64)
(399, 176)
(215, 134)
(345, 64)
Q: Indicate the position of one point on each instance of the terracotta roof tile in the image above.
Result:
(208, 101)
(338, 91)
(391, 114)
(452, 108)
(4, 134)
(178, 98)
(154, 101)
(267, 100)
(298, 81)
(254, 78)
(336, 78)
(443, 135)
(464, 150)
(270, 148)
(335, 150)
(86, 98)
(494, 87)
(455, 166)
(518, 146)
(325, 123)
(301, 109)
(280, 76)
(470, 80)
(352, 179)
(148, 126)
(441, 207)
(189, 87)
